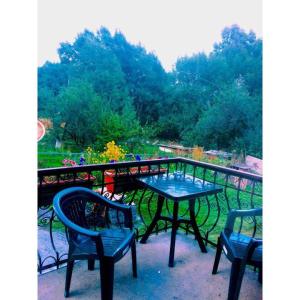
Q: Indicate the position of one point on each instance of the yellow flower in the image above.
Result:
(112, 152)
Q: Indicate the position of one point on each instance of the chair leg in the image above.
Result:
(260, 271)
(133, 256)
(173, 234)
(155, 219)
(236, 278)
(217, 257)
(70, 266)
(91, 264)
(107, 279)
(195, 226)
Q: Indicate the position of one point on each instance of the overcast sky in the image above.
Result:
(169, 28)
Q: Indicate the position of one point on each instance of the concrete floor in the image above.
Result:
(190, 278)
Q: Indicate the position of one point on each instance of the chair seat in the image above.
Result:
(116, 242)
(240, 242)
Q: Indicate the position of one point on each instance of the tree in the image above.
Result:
(79, 113)
(52, 78)
(145, 78)
(217, 93)
(243, 54)
(227, 124)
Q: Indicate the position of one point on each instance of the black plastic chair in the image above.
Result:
(240, 249)
(92, 234)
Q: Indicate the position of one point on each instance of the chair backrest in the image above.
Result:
(73, 206)
(90, 210)
(233, 214)
(83, 208)
(76, 205)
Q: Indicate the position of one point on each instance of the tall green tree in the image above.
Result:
(91, 61)
(230, 123)
(144, 75)
(79, 114)
(105, 88)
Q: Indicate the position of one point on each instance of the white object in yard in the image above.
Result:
(165, 149)
(107, 194)
(58, 144)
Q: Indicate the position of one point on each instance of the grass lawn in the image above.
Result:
(51, 158)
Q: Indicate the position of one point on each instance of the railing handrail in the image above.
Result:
(105, 166)
(222, 169)
(128, 164)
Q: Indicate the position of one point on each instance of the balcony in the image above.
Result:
(191, 277)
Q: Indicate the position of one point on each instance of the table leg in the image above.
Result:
(195, 227)
(173, 234)
(155, 219)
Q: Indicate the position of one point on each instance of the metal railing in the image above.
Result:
(116, 181)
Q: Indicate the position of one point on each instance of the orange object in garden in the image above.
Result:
(197, 153)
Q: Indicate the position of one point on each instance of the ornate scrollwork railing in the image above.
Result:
(117, 182)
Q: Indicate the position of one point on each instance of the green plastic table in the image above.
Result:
(177, 187)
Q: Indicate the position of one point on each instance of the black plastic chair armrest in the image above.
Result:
(226, 242)
(112, 204)
(233, 214)
(100, 199)
(254, 243)
(126, 209)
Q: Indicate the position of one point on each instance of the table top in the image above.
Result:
(179, 188)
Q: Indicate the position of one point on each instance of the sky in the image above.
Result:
(168, 28)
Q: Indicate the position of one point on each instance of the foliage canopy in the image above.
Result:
(105, 88)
